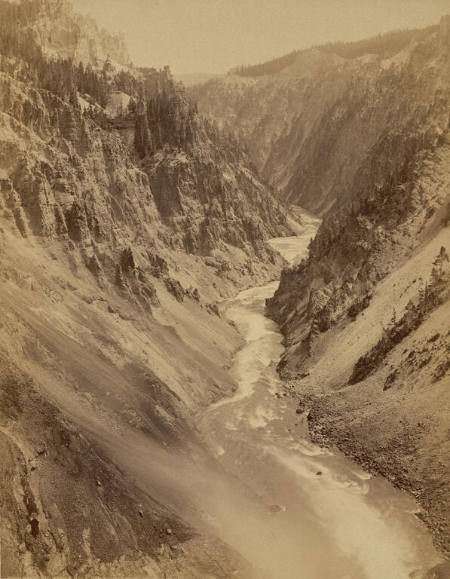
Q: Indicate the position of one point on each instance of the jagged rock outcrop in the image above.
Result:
(64, 34)
(78, 179)
(359, 245)
(107, 346)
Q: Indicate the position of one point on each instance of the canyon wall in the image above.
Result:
(314, 120)
(359, 133)
(124, 219)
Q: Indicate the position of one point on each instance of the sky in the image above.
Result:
(214, 35)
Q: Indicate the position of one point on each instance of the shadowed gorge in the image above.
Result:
(223, 308)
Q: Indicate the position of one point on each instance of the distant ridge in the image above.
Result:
(383, 45)
(192, 78)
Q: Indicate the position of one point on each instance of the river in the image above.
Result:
(297, 510)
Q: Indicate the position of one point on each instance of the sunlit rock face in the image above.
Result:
(73, 169)
(124, 219)
(64, 34)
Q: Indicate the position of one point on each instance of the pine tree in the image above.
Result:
(142, 137)
(315, 330)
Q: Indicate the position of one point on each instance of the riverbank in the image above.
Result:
(392, 464)
(395, 421)
(284, 501)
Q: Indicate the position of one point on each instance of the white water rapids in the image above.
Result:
(306, 512)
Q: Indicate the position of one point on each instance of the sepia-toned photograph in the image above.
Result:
(225, 289)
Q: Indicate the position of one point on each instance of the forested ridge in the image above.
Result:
(382, 45)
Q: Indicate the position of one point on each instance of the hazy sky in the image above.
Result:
(215, 35)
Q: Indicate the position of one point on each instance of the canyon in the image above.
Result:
(168, 407)
(359, 134)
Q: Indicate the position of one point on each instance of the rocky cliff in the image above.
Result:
(62, 33)
(102, 180)
(124, 218)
